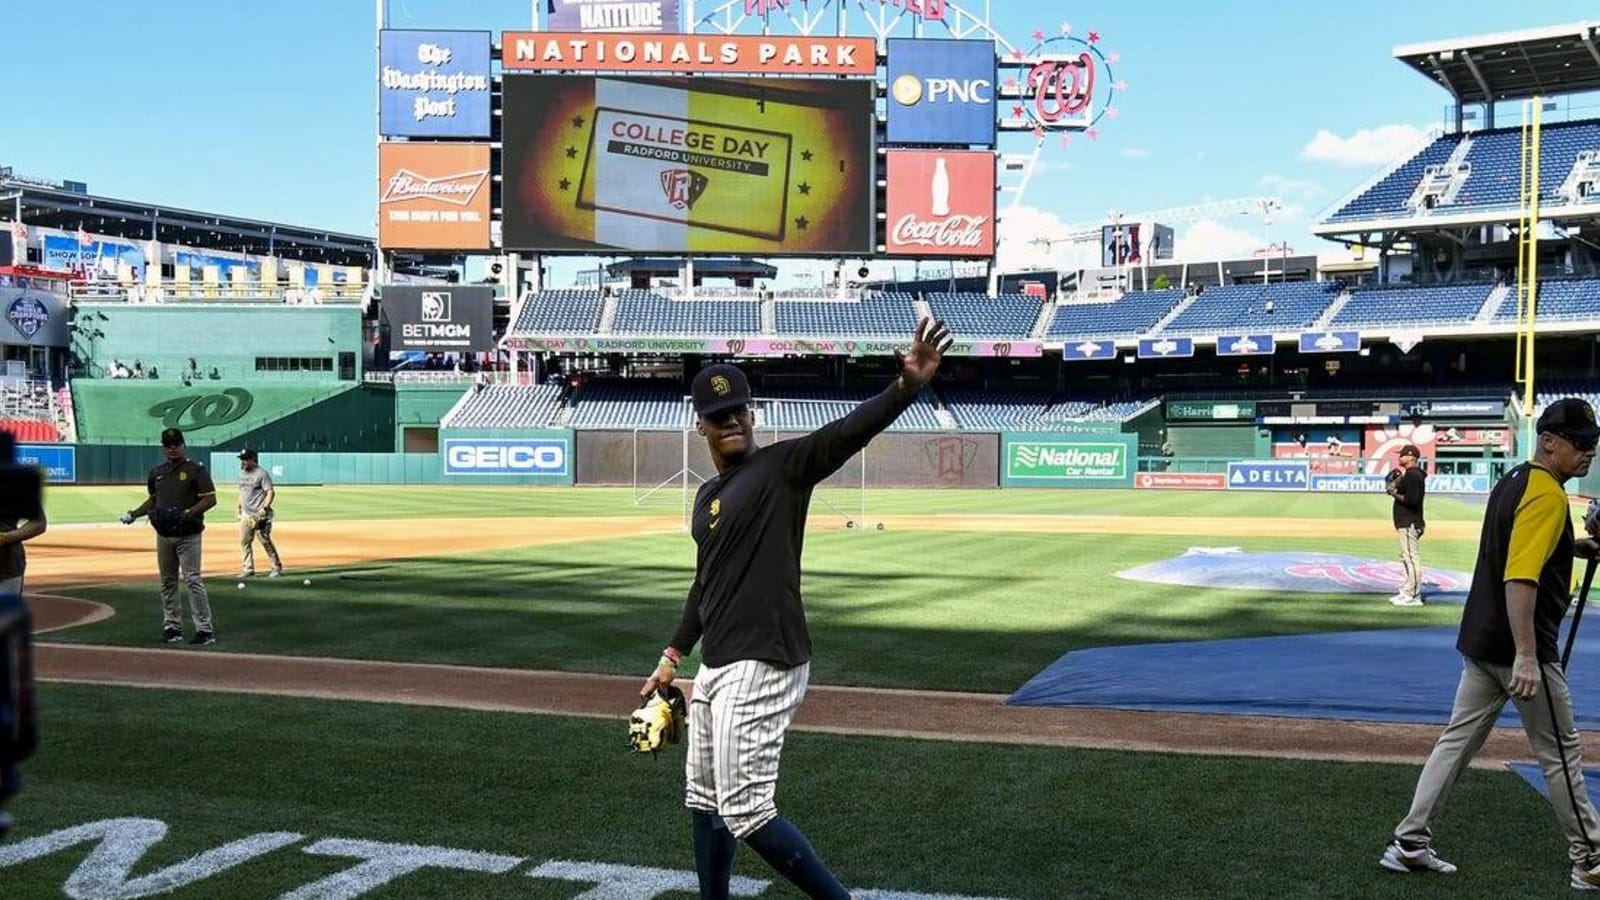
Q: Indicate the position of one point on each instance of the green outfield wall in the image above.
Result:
(240, 340)
(211, 413)
(527, 458)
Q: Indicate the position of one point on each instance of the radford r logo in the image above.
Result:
(683, 187)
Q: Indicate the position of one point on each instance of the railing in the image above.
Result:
(247, 291)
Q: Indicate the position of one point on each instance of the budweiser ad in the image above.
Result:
(660, 166)
(940, 203)
(433, 196)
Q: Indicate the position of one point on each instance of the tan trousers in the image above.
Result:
(1480, 696)
(1410, 561)
(177, 556)
(247, 543)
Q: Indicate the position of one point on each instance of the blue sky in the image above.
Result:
(267, 110)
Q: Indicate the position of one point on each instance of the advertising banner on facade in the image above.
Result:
(680, 166)
(550, 457)
(433, 196)
(940, 203)
(34, 318)
(1181, 481)
(99, 258)
(941, 91)
(1474, 437)
(733, 54)
(452, 319)
(1382, 445)
(1197, 410)
(59, 461)
(1261, 475)
(632, 16)
(433, 83)
(1041, 459)
(756, 347)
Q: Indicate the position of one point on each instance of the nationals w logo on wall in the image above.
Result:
(683, 187)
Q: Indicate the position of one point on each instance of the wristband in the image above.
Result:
(672, 655)
(666, 663)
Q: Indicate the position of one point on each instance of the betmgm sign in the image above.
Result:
(439, 319)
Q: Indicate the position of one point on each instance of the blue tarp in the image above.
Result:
(1532, 774)
(1297, 571)
(1399, 675)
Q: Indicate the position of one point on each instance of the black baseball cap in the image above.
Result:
(1410, 450)
(1569, 417)
(172, 437)
(719, 388)
(247, 453)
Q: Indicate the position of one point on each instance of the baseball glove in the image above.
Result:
(663, 719)
(168, 520)
(1393, 477)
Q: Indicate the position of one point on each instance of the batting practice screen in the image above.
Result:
(669, 165)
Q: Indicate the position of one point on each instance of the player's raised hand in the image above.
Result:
(918, 364)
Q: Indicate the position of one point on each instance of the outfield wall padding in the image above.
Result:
(895, 459)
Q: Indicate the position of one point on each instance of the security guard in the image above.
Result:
(180, 492)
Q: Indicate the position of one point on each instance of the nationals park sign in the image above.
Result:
(1043, 459)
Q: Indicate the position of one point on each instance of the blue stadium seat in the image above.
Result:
(1242, 308)
(1435, 304)
(646, 312)
(612, 403)
(1135, 313)
(1559, 300)
(982, 316)
(507, 406)
(876, 315)
(560, 312)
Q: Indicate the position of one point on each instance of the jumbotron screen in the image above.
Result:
(674, 165)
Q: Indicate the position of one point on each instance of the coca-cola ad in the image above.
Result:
(433, 196)
(940, 203)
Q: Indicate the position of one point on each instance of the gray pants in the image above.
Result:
(1480, 696)
(738, 716)
(1410, 561)
(247, 544)
(181, 556)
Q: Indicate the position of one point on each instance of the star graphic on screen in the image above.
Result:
(572, 153)
(802, 223)
(805, 189)
(577, 121)
(805, 155)
(566, 185)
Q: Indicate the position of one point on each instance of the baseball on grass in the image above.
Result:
(241, 585)
(307, 582)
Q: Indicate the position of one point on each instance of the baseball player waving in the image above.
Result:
(744, 608)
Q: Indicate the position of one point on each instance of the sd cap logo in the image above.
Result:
(719, 384)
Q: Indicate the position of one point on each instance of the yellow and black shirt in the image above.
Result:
(1527, 536)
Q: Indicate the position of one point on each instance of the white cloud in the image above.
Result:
(1208, 240)
(1284, 186)
(1367, 147)
(1136, 153)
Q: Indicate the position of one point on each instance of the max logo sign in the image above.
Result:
(203, 411)
(119, 845)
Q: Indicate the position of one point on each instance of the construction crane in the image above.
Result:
(1089, 232)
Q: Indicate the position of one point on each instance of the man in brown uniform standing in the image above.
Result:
(180, 492)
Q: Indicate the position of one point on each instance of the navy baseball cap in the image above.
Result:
(172, 437)
(1569, 417)
(247, 453)
(719, 388)
(1411, 451)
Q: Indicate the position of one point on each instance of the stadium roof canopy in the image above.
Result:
(68, 206)
(1511, 65)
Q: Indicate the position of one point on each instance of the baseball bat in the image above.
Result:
(1577, 614)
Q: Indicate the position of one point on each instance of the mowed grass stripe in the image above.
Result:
(1017, 822)
(100, 504)
(944, 611)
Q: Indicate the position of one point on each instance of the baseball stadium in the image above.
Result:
(1113, 606)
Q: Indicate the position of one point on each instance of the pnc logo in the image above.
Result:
(909, 90)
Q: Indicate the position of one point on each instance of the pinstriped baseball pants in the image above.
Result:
(738, 715)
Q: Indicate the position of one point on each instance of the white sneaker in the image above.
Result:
(1398, 859)
(1586, 879)
(1405, 600)
(275, 573)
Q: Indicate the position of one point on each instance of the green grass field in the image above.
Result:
(933, 610)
